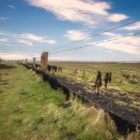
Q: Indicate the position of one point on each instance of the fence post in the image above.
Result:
(34, 61)
(83, 74)
(44, 62)
(26, 61)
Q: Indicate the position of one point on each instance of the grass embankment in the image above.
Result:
(31, 110)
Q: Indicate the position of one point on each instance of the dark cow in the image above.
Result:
(52, 68)
(59, 69)
(110, 77)
(107, 79)
(98, 82)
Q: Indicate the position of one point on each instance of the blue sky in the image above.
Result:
(28, 27)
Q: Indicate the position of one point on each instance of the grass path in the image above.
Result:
(22, 100)
(31, 110)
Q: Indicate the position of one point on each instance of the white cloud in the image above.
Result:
(84, 11)
(11, 6)
(13, 56)
(61, 57)
(1, 34)
(117, 17)
(36, 38)
(75, 35)
(135, 26)
(109, 34)
(32, 37)
(49, 41)
(129, 45)
(4, 18)
(25, 39)
(25, 42)
(3, 40)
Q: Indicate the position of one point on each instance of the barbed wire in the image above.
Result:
(96, 43)
(97, 34)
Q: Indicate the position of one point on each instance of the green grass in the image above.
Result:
(31, 110)
(129, 89)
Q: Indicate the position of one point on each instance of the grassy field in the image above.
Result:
(31, 110)
(86, 73)
(120, 86)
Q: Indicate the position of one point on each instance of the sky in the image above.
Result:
(29, 27)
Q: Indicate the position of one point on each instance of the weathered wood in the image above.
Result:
(44, 62)
(26, 61)
(34, 61)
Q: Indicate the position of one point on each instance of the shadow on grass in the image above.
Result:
(4, 82)
(4, 66)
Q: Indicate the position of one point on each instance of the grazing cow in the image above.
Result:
(110, 77)
(49, 68)
(134, 76)
(59, 69)
(54, 68)
(75, 71)
(98, 82)
(127, 76)
(107, 79)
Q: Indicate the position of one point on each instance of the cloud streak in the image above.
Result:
(35, 38)
(2, 18)
(24, 39)
(117, 17)
(11, 6)
(75, 35)
(3, 40)
(13, 56)
(25, 42)
(129, 45)
(83, 11)
(135, 26)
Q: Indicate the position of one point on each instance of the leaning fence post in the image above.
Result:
(34, 61)
(83, 74)
(44, 62)
(26, 61)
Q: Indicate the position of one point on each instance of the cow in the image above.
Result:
(98, 82)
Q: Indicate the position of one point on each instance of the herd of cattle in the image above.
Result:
(52, 68)
(130, 75)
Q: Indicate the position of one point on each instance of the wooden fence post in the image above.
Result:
(44, 62)
(26, 61)
(83, 74)
(34, 61)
